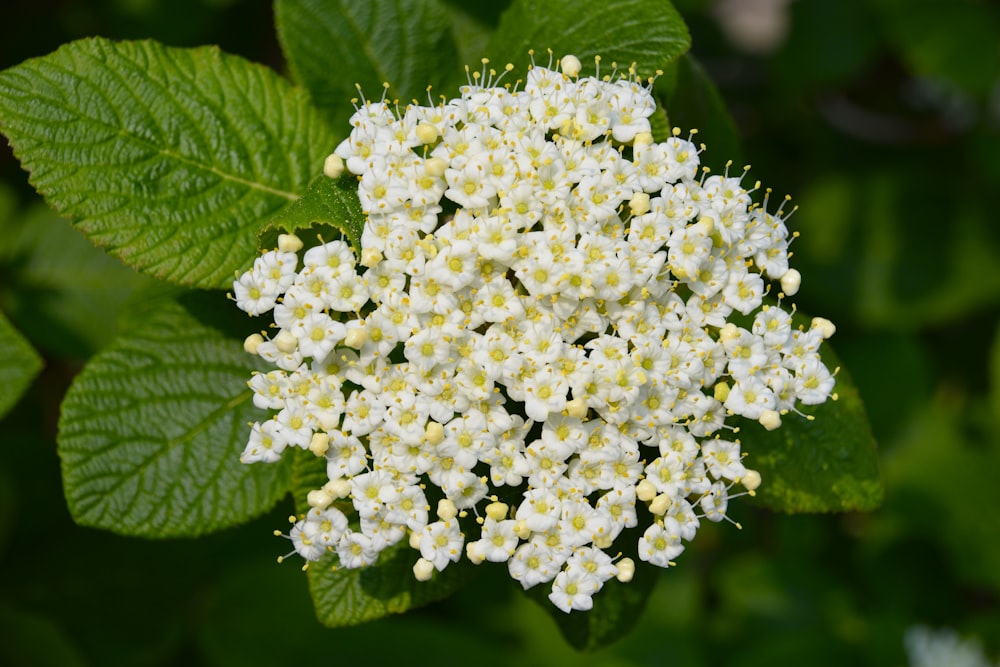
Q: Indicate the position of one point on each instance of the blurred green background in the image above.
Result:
(881, 118)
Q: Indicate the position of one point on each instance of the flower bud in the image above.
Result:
(286, 342)
(370, 257)
(319, 443)
(252, 342)
(825, 326)
(570, 66)
(338, 488)
(639, 203)
(626, 570)
(446, 510)
(319, 499)
(289, 243)
(660, 504)
(497, 511)
(474, 553)
(790, 282)
(435, 167)
(642, 139)
(333, 166)
(645, 490)
(423, 569)
(750, 480)
(770, 420)
(426, 133)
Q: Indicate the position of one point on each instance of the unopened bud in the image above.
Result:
(661, 504)
(750, 480)
(474, 553)
(426, 133)
(356, 338)
(603, 541)
(576, 408)
(333, 166)
(319, 499)
(319, 443)
(286, 342)
(251, 343)
(642, 139)
(434, 433)
(626, 570)
(645, 490)
(721, 392)
(338, 488)
(289, 243)
(729, 332)
(825, 326)
(446, 510)
(770, 420)
(570, 65)
(790, 282)
(639, 203)
(706, 225)
(423, 569)
(435, 167)
(370, 257)
(497, 511)
(415, 540)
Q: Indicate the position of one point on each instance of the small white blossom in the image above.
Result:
(539, 310)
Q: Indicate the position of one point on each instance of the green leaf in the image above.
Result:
(349, 597)
(54, 280)
(825, 464)
(170, 159)
(693, 102)
(331, 46)
(19, 366)
(151, 433)
(329, 207)
(649, 33)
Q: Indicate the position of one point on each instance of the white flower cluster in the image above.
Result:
(536, 335)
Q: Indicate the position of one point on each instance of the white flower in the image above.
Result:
(441, 543)
(540, 310)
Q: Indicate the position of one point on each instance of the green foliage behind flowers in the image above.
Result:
(184, 198)
(175, 159)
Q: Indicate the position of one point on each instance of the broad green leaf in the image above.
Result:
(349, 597)
(649, 33)
(693, 102)
(328, 203)
(170, 159)
(333, 45)
(825, 464)
(472, 26)
(54, 281)
(19, 364)
(151, 432)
